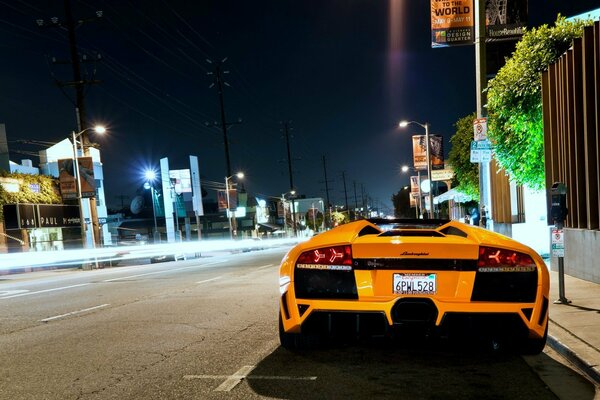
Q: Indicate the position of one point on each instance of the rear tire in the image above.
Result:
(536, 345)
(292, 341)
(286, 339)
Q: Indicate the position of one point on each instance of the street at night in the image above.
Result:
(207, 328)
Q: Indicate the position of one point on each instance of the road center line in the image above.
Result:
(160, 272)
(44, 291)
(265, 266)
(73, 313)
(210, 280)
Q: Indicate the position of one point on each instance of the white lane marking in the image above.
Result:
(265, 266)
(210, 280)
(234, 379)
(161, 272)
(74, 312)
(44, 291)
(11, 292)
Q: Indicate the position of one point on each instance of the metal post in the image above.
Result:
(154, 214)
(430, 196)
(562, 299)
(294, 216)
(228, 210)
(419, 205)
(78, 185)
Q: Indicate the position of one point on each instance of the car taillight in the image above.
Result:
(326, 256)
(492, 259)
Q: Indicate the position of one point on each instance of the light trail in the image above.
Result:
(75, 258)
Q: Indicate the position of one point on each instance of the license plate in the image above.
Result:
(414, 284)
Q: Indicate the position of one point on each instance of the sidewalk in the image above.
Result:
(574, 330)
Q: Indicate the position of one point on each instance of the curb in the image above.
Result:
(586, 368)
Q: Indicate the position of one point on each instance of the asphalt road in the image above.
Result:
(207, 329)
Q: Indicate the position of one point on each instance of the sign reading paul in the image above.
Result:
(452, 22)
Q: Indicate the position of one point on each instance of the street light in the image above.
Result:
(100, 130)
(405, 169)
(232, 222)
(404, 124)
(150, 178)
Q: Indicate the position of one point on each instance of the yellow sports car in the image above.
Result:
(395, 277)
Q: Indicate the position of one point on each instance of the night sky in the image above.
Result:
(344, 72)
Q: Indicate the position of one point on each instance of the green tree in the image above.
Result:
(515, 100)
(401, 202)
(466, 173)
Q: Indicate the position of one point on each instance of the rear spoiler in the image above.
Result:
(410, 223)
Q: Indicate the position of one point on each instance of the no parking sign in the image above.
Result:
(558, 243)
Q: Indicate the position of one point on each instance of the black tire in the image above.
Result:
(534, 346)
(287, 340)
(292, 341)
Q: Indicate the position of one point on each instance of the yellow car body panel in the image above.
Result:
(374, 255)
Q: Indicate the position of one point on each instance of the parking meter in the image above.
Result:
(558, 209)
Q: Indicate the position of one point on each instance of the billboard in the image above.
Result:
(181, 180)
(436, 152)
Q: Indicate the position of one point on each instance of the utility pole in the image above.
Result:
(328, 205)
(70, 25)
(219, 82)
(364, 200)
(345, 193)
(355, 199)
(287, 129)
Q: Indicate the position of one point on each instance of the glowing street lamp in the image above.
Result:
(150, 176)
(232, 222)
(404, 124)
(100, 130)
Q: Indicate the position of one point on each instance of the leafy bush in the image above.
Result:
(515, 100)
(466, 178)
(48, 191)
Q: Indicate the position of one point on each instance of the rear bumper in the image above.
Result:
(362, 318)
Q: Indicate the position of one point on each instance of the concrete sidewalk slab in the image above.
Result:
(574, 330)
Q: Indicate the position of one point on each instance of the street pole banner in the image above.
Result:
(66, 179)
(414, 184)
(86, 177)
(452, 23)
(419, 152)
(505, 19)
(436, 152)
(222, 200)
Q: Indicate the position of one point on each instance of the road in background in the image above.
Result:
(207, 328)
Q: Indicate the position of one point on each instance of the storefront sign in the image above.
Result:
(32, 216)
(58, 216)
